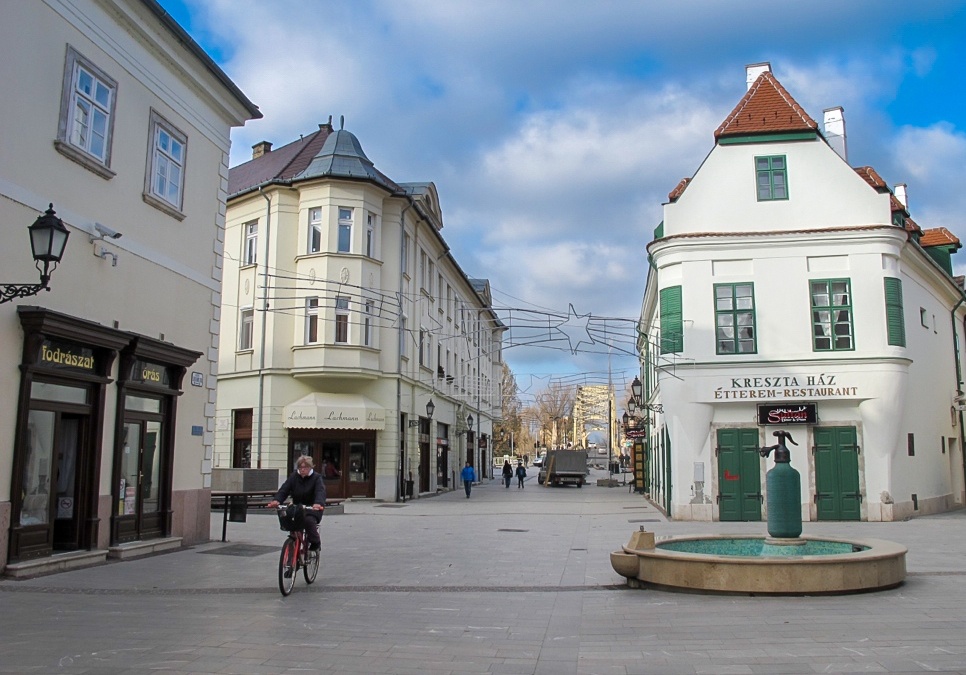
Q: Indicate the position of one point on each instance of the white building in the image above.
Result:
(117, 118)
(789, 290)
(344, 314)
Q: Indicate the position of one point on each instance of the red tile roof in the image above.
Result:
(939, 236)
(872, 177)
(679, 190)
(281, 164)
(766, 108)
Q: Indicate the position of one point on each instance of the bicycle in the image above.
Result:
(295, 553)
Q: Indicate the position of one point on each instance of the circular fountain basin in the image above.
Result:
(754, 564)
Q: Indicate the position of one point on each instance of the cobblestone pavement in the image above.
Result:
(509, 581)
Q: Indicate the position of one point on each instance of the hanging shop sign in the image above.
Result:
(796, 413)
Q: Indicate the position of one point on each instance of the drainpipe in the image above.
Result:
(403, 431)
(261, 356)
(959, 380)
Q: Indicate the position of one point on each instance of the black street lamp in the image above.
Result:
(430, 409)
(48, 238)
(469, 422)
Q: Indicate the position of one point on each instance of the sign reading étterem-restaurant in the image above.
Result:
(783, 387)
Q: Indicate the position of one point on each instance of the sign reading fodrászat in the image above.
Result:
(792, 413)
(784, 387)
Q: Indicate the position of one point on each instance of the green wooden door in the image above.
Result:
(739, 475)
(837, 474)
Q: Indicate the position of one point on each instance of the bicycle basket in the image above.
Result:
(292, 518)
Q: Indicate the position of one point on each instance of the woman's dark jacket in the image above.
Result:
(306, 490)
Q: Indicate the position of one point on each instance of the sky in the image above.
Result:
(554, 131)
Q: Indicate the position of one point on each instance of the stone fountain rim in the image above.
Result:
(875, 549)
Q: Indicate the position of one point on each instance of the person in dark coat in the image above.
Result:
(521, 474)
(507, 472)
(305, 487)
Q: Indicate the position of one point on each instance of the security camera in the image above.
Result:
(105, 231)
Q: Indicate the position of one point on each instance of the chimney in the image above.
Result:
(900, 193)
(835, 131)
(261, 148)
(754, 70)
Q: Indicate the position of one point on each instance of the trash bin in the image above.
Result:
(238, 508)
(615, 467)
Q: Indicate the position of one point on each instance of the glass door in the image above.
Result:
(139, 500)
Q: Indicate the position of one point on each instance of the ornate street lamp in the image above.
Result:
(430, 409)
(469, 422)
(637, 389)
(48, 237)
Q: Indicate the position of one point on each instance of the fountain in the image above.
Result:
(785, 562)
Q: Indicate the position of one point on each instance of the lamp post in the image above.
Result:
(48, 238)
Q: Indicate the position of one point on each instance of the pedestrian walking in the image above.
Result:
(521, 474)
(468, 476)
(507, 472)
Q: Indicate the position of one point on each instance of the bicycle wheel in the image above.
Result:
(311, 569)
(287, 567)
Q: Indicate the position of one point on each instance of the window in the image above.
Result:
(832, 315)
(311, 320)
(895, 321)
(86, 125)
(672, 325)
(315, 230)
(734, 314)
(772, 178)
(423, 340)
(431, 276)
(345, 230)
(341, 320)
(422, 269)
(250, 255)
(371, 234)
(246, 331)
(367, 323)
(164, 180)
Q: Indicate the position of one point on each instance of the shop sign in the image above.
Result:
(442, 441)
(820, 385)
(800, 413)
(65, 355)
(483, 440)
(151, 373)
(635, 433)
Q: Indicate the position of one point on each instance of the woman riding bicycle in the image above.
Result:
(305, 487)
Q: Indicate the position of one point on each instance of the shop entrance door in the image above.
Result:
(139, 494)
(837, 493)
(67, 488)
(739, 475)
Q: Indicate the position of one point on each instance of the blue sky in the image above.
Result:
(554, 131)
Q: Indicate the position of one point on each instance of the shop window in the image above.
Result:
(358, 462)
(367, 323)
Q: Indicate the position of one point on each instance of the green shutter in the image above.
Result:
(672, 325)
(895, 322)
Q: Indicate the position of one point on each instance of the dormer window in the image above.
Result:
(771, 178)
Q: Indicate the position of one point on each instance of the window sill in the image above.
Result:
(249, 350)
(162, 206)
(85, 160)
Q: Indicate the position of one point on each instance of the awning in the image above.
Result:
(334, 411)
